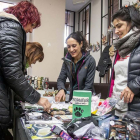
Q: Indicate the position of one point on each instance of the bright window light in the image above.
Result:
(4, 5)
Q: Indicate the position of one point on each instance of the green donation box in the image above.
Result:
(81, 103)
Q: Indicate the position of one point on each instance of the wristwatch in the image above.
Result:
(55, 129)
(58, 131)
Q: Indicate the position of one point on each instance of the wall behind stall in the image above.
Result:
(95, 31)
(51, 35)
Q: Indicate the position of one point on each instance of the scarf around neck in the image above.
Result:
(126, 44)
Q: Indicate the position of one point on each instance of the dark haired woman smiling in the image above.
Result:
(79, 66)
(125, 80)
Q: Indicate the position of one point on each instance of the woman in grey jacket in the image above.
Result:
(79, 66)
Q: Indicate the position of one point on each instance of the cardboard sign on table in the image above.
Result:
(81, 104)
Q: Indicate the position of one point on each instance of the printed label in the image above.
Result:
(80, 100)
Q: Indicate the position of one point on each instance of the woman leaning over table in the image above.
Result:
(15, 22)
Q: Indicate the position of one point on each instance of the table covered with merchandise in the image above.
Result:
(85, 117)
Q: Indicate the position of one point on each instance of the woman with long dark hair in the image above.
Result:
(79, 66)
(125, 79)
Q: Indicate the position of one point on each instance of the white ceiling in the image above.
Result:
(75, 7)
(69, 4)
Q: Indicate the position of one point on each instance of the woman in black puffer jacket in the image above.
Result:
(15, 22)
(125, 79)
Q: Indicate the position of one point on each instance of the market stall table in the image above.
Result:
(22, 133)
(22, 129)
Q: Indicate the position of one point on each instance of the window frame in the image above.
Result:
(66, 24)
(84, 20)
(10, 4)
(65, 47)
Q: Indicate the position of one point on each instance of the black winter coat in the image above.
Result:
(133, 81)
(12, 51)
(134, 78)
(85, 74)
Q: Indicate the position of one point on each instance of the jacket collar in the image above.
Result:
(68, 57)
(7, 15)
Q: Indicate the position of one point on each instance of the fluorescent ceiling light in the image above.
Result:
(78, 1)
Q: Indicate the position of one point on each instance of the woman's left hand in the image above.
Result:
(127, 94)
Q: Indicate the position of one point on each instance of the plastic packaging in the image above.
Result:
(133, 124)
(96, 133)
(106, 106)
(95, 101)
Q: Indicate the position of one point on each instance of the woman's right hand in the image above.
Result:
(45, 103)
(111, 51)
(60, 95)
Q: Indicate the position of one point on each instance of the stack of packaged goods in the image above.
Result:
(38, 83)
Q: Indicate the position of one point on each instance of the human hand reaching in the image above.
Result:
(45, 103)
(60, 95)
